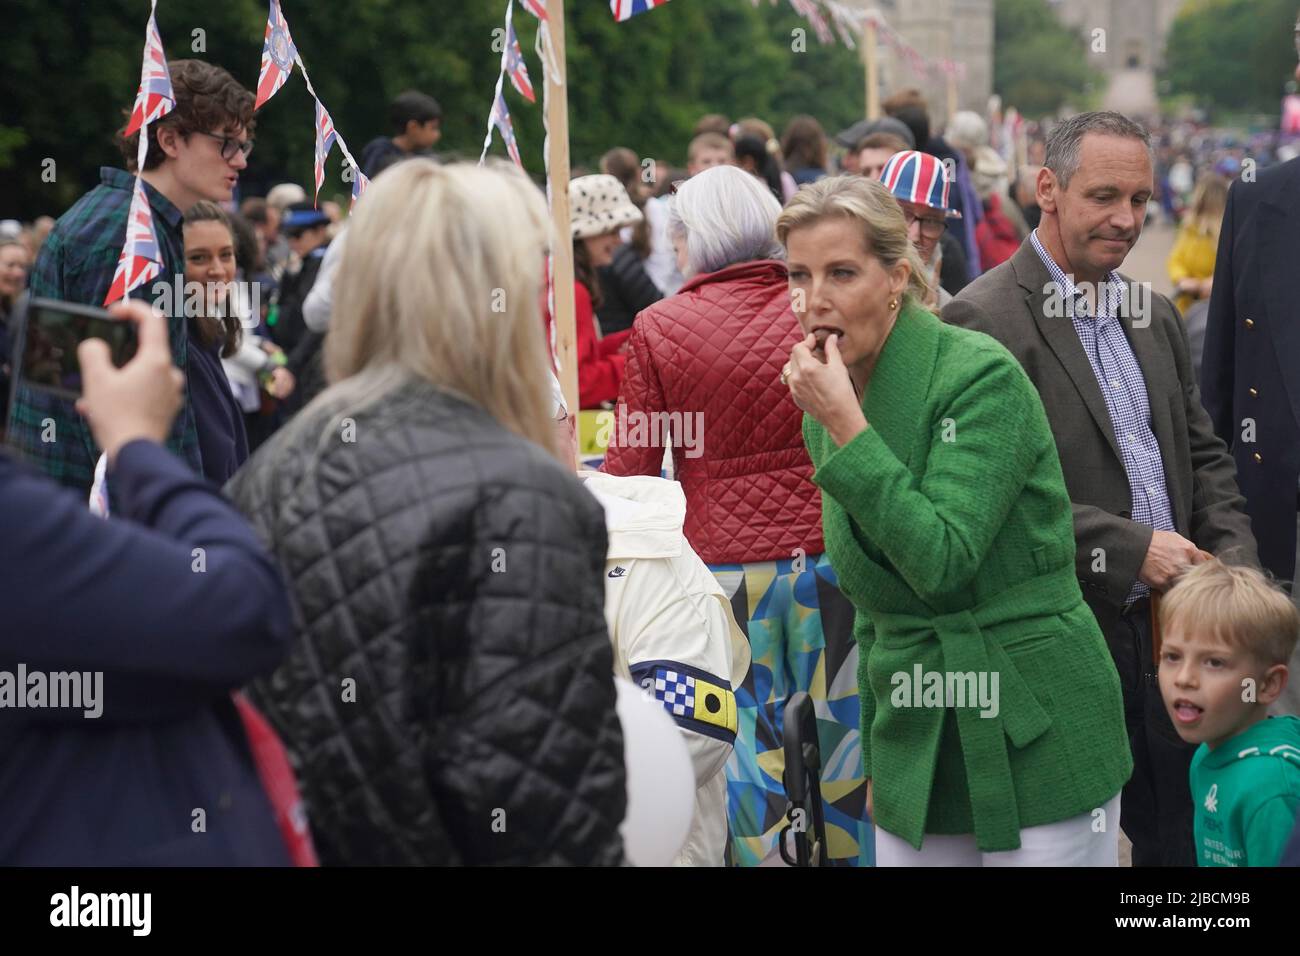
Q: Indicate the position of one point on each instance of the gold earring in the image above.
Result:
(893, 304)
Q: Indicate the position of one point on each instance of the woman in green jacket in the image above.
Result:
(992, 722)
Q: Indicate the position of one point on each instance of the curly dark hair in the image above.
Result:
(208, 99)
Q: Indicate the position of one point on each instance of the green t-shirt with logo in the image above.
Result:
(1247, 793)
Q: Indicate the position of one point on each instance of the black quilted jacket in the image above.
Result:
(449, 697)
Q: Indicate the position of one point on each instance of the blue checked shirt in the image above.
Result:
(1125, 390)
(76, 264)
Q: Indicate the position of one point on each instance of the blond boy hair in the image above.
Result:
(709, 141)
(1236, 604)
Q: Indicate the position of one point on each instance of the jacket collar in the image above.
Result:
(1140, 328)
(901, 380)
(1271, 737)
(765, 270)
(1049, 312)
(643, 514)
(160, 204)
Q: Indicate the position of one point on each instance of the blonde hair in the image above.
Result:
(1209, 201)
(709, 141)
(884, 230)
(441, 280)
(1237, 605)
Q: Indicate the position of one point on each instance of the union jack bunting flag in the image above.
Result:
(278, 53)
(155, 97)
(140, 260)
(810, 12)
(325, 137)
(359, 183)
(501, 120)
(515, 67)
(626, 9)
(536, 7)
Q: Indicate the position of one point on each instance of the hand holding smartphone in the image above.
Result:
(51, 335)
(138, 400)
(115, 364)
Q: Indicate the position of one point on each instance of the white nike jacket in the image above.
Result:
(674, 634)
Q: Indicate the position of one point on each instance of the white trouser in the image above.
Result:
(1090, 839)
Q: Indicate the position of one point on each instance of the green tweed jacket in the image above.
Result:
(989, 699)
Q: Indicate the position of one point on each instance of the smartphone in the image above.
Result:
(49, 338)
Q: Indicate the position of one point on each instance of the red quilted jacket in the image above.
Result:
(600, 363)
(717, 348)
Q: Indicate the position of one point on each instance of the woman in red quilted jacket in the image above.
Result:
(703, 375)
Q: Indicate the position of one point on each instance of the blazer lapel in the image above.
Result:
(1050, 313)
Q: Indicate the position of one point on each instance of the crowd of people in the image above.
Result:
(1024, 539)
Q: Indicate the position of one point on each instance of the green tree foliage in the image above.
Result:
(72, 67)
(1232, 54)
(1039, 64)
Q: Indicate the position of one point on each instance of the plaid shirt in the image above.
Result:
(1125, 390)
(76, 264)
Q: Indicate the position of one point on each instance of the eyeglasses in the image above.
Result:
(230, 145)
(931, 228)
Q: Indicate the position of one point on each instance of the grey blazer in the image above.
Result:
(1011, 303)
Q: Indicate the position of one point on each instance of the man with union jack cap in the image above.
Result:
(919, 183)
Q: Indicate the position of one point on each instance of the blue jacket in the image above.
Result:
(1250, 372)
(175, 605)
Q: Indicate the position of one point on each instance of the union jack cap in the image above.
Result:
(918, 177)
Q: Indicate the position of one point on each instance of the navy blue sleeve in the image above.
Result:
(1218, 359)
(174, 599)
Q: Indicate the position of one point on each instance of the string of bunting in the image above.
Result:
(141, 260)
(848, 23)
(513, 66)
(821, 15)
(279, 56)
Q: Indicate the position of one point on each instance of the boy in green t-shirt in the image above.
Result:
(1228, 635)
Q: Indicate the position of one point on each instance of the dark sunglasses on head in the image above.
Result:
(230, 145)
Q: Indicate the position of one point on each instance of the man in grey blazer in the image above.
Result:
(1152, 487)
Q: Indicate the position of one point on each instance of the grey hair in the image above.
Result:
(726, 216)
(1064, 143)
(967, 131)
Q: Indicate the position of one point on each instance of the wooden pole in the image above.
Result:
(869, 64)
(557, 118)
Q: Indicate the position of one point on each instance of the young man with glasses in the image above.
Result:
(919, 183)
(195, 152)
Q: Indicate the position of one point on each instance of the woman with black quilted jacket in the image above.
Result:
(450, 695)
